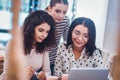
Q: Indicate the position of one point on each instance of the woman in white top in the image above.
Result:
(38, 33)
(80, 49)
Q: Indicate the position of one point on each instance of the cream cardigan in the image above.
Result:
(35, 60)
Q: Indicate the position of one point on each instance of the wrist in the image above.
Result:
(37, 75)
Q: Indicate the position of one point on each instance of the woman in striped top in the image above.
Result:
(57, 9)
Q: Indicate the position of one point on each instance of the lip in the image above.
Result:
(78, 42)
(41, 39)
(58, 19)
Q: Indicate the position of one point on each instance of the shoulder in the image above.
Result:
(65, 20)
(64, 23)
(97, 52)
(62, 50)
(62, 45)
(45, 54)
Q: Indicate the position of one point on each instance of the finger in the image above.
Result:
(42, 75)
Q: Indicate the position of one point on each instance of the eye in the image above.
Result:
(41, 30)
(57, 11)
(77, 32)
(64, 12)
(86, 35)
(47, 31)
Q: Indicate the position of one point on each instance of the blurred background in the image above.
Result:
(103, 12)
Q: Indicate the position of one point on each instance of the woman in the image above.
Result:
(58, 9)
(80, 49)
(38, 33)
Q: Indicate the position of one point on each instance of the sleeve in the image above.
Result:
(65, 33)
(3, 76)
(46, 63)
(98, 59)
(58, 63)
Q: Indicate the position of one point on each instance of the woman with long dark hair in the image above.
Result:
(80, 49)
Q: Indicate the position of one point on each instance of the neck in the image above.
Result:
(77, 52)
(77, 49)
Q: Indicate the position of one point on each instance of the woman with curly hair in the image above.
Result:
(38, 34)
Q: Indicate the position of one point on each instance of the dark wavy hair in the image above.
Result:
(53, 2)
(87, 22)
(32, 20)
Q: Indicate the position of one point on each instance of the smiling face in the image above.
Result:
(58, 11)
(41, 32)
(80, 36)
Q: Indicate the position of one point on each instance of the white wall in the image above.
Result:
(112, 27)
(97, 11)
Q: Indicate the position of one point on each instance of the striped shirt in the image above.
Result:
(61, 30)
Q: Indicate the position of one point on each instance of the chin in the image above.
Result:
(79, 46)
(40, 41)
(57, 20)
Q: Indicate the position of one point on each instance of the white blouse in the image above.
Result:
(65, 60)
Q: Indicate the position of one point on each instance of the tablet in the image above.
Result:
(88, 74)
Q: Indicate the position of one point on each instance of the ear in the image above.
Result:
(49, 9)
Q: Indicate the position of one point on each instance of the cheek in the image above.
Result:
(46, 35)
(64, 15)
(86, 40)
(37, 34)
(56, 14)
(53, 13)
(74, 36)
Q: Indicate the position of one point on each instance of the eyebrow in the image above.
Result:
(80, 32)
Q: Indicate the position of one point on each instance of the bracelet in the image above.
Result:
(36, 73)
(34, 77)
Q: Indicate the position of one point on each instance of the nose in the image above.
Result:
(44, 35)
(80, 37)
(61, 15)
